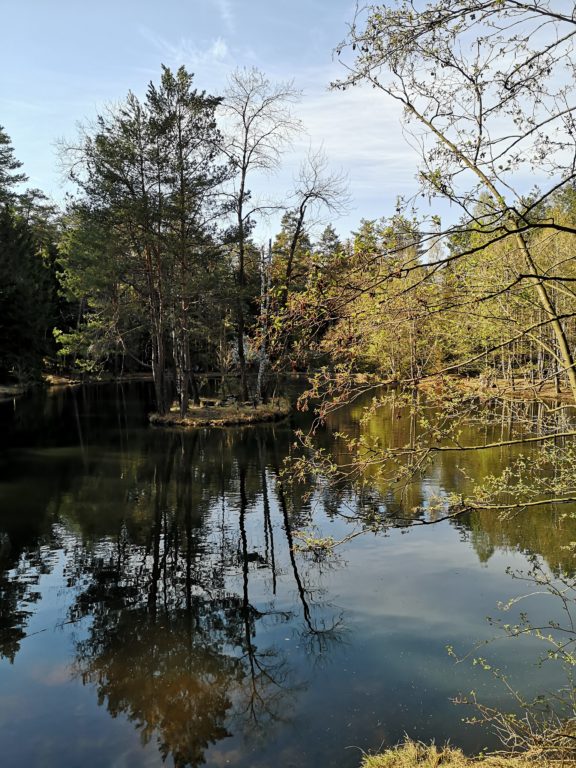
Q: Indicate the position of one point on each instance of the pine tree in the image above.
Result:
(9, 178)
(24, 300)
(25, 285)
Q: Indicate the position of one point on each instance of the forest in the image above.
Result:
(152, 266)
(459, 309)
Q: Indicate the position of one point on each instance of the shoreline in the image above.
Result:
(414, 754)
(498, 388)
(471, 386)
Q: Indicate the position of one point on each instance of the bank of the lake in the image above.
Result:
(487, 388)
(412, 754)
(10, 391)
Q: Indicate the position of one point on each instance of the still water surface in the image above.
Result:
(153, 610)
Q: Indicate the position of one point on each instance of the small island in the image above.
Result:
(211, 412)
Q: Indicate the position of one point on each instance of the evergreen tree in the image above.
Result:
(9, 177)
(26, 291)
(25, 308)
(150, 175)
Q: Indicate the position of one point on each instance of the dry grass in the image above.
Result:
(413, 754)
(477, 386)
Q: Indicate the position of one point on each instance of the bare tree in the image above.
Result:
(258, 126)
(263, 357)
(319, 191)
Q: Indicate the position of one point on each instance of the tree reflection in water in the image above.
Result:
(181, 572)
(174, 642)
(19, 577)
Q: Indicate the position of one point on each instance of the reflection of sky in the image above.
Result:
(47, 717)
(402, 597)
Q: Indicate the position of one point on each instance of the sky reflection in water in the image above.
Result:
(151, 606)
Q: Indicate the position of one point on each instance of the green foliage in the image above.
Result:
(9, 166)
(110, 320)
(141, 251)
(484, 118)
(25, 300)
(29, 302)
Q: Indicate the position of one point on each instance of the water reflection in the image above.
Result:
(376, 501)
(19, 577)
(189, 611)
(172, 539)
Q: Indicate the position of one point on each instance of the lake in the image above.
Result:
(155, 608)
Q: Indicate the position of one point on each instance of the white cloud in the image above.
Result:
(219, 49)
(226, 13)
(361, 133)
(213, 57)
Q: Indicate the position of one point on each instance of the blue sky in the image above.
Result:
(61, 61)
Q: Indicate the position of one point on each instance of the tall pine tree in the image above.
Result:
(25, 284)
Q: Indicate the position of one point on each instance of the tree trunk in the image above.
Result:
(159, 372)
(263, 359)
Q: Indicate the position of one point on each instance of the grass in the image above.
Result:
(413, 754)
(235, 414)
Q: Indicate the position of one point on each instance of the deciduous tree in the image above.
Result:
(488, 93)
(259, 125)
